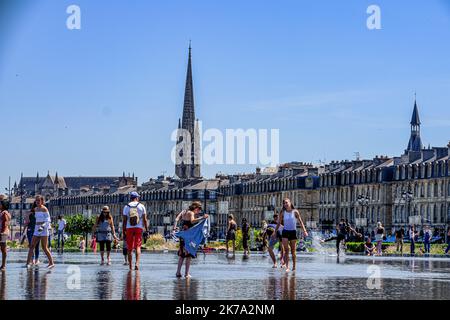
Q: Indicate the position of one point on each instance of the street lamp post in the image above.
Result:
(311, 206)
(363, 201)
(407, 197)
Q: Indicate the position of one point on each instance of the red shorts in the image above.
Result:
(134, 238)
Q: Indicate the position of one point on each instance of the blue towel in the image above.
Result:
(194, 237)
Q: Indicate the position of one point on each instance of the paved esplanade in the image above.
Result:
(216, 277)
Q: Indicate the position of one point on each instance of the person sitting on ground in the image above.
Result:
(369, 247)
(301, 245)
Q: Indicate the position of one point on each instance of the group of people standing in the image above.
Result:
(39, 230)
(413, 238)
(282, 230)
(30, 227)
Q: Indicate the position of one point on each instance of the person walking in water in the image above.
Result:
(399, 234)
(231, 233)
(134, 221)
(448, 241)
(60, 235)
(288, 218)
(427, 240)
(105, 234)
(412, 236)
(187, 220)
(125, 250)
(343, 229)
(41, 232)
(30, 226)
(379, 235)
(5, 219)
(245, 236)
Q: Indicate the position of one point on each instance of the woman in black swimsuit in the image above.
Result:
(231, 233)
(187, 218)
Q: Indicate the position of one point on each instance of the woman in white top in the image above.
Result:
(41, 232)
(288, 219)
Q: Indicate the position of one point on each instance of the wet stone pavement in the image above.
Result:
(79, 276)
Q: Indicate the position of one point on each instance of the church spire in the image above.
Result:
(188, 120)
(415, 120)
(188, 140)
(415, 142)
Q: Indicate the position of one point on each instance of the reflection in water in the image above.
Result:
(216, 277)
(133, 286)
(281, 287)
(274, 288)
(36, 286)
(104, 285)
(185, 289)
(288, 287)
(3, 286)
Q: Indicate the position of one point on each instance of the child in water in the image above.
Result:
(82, 244)
(125, 250)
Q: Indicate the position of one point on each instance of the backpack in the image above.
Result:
(134, 215)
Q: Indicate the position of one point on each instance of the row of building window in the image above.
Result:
(346, 195)
(402, 172)
(422, 171)
(431, 189)
(270, 185)
(145, 196)
(354, 177)
(430, 213)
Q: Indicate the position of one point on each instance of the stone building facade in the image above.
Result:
(253, 196)
(57, 185)
(413, 188)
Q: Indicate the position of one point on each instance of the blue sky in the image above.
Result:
(105, 99)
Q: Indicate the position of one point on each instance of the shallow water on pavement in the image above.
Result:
(79, 276)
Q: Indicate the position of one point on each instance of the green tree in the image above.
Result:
(78, 225)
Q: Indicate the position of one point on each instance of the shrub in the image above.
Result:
(359, 246)
(155, 240)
